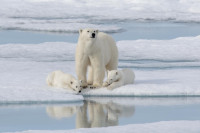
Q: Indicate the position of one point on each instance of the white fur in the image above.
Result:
(117, 78)
(95, 55)
(63, 80)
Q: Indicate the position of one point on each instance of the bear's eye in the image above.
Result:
(94, 31)
(76, 86)
(88, 31)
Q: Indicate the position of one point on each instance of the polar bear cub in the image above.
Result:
(63, 80)
(117, 78)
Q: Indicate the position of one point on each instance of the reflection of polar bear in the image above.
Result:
(98, 117)
(82, 117)
(119, 110)
(117, 78)
(63, 80)
(98, 51)
(93, 115)
(59, 112)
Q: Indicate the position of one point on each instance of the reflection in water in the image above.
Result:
(59, 112)
(93, 114)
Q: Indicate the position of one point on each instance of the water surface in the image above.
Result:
(131, 30)
(97, 112)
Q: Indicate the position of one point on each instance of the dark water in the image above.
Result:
(97, 112)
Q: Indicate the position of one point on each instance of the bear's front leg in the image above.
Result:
(105, 84)
(81, 69)
(115, 85)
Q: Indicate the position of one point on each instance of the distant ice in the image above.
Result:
(156, 127)
(181, 52)
(162, 68)
(52, 25)
(68, 16)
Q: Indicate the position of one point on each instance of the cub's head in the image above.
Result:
(88, 34)
(76, 85)
(113, 76)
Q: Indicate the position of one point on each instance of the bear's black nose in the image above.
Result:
(93, 35)
(79, 91)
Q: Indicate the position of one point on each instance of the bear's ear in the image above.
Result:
(97, 31)
(116, 73)
(80, 31)
(71, 82)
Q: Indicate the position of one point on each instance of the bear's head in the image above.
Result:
(113, 76)
(76, 85)
(88, 34)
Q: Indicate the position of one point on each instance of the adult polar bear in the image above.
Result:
(95, 52)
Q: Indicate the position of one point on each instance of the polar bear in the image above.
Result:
(95, 52)
(63, 80)
(117, 78)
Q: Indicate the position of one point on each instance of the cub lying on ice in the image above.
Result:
(117, 78)
(63, 80)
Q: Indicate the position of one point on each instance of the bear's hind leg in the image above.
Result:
(112, 65)
(98, 77)
(98, 68)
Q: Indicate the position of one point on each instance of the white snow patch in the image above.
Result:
(178, 82)
(156, 127)
(25, 82)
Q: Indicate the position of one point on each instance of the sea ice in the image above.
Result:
(162, 68)
(156, 127)
(68, 16)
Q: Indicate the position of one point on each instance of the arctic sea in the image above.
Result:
(123, 111)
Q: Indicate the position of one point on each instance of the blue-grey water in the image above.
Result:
(100, 112)
(131, 30)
